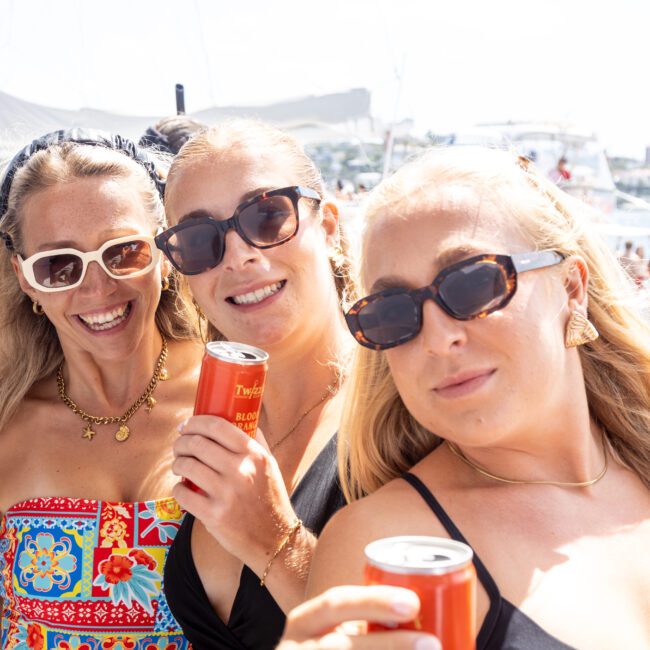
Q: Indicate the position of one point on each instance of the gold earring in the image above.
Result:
(37, 309)
(165, 284)
(201, 316)
(579, 330)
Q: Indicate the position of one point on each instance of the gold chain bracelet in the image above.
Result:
(295, 527)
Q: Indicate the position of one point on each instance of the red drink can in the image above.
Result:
(441, 573)
(231, 385)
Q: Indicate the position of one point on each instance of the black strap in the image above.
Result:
(483, 575)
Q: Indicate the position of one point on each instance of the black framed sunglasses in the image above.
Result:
(465, 290)
(198, 243)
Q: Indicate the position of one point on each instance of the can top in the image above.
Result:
(239, 353)
(418, 554)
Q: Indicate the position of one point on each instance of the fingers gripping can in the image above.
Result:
(231, 383)
(441, 572)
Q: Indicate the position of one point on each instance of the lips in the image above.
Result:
(106, 319)
(254, 296)
(464, 383)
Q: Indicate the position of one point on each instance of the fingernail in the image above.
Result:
(181, 426)
(405, 604)
(427, 643)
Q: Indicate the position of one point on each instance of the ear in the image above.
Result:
(576, 279)
(331, 222)
(24, 285)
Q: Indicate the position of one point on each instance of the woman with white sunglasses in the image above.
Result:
(98, 362)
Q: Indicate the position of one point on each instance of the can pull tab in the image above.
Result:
(235, 353)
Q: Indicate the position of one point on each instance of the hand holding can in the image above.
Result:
(231, 385)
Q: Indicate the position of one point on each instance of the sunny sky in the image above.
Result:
(446, 65)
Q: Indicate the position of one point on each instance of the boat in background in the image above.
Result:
(544, 143)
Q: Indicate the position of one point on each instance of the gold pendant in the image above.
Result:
(151, 402)
(88, 433)
(164, 375)
(122, 433)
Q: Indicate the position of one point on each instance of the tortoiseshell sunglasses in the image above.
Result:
(465, 290)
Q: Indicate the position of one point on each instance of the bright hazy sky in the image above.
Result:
(460, 61)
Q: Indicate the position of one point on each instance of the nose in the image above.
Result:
(238, 253)
(441, 334)
(97, 281)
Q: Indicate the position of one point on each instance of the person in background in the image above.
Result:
(264, 259)
(171, 133)
(629, 260)
(500, 397)
(98, 362)
(560, 174)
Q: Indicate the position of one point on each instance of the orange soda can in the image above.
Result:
(441, 573)
(231, 385)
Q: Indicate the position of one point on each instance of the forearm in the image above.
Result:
(286, 578)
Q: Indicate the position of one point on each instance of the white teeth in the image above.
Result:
(258, 295)
(105, 320)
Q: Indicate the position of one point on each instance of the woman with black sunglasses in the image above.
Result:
(261, 251)
(502, 399)
(98, 361)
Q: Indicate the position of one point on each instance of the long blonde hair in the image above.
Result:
(30, 350)
(382, 439)
(235, 135)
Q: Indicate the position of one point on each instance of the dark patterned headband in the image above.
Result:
(81, 136)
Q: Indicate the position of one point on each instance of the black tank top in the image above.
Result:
(256, 621)
(505, 627)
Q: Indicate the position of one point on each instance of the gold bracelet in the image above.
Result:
(295, 527)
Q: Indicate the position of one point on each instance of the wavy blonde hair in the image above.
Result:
(30, 350)
(243, 134)
(382, 439)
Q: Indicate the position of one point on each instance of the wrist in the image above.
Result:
(285, 543)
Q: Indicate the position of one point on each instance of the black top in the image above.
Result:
(505, 627)
(256, 621)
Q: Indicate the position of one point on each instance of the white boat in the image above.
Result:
(546, 142)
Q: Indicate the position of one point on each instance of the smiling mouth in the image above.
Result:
(253, 297)
(102, 321)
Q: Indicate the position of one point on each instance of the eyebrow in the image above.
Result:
(444, 259)
(202, 212)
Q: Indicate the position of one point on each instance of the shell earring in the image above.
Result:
(579, 330)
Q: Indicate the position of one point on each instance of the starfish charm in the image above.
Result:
(88, 433)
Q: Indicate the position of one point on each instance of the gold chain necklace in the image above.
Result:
(159, 374)
(330, 391)
(459, 454)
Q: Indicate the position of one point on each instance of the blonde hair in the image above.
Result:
(234, 136)
(382, 439)
(30, 349)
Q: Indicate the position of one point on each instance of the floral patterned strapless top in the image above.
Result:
(79, 574)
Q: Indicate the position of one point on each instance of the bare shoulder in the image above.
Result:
(394, 509)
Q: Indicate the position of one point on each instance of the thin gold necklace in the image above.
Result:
(330, 391)
(122, 434)
(459, 454)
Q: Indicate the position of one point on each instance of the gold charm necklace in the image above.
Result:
(159, 374)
